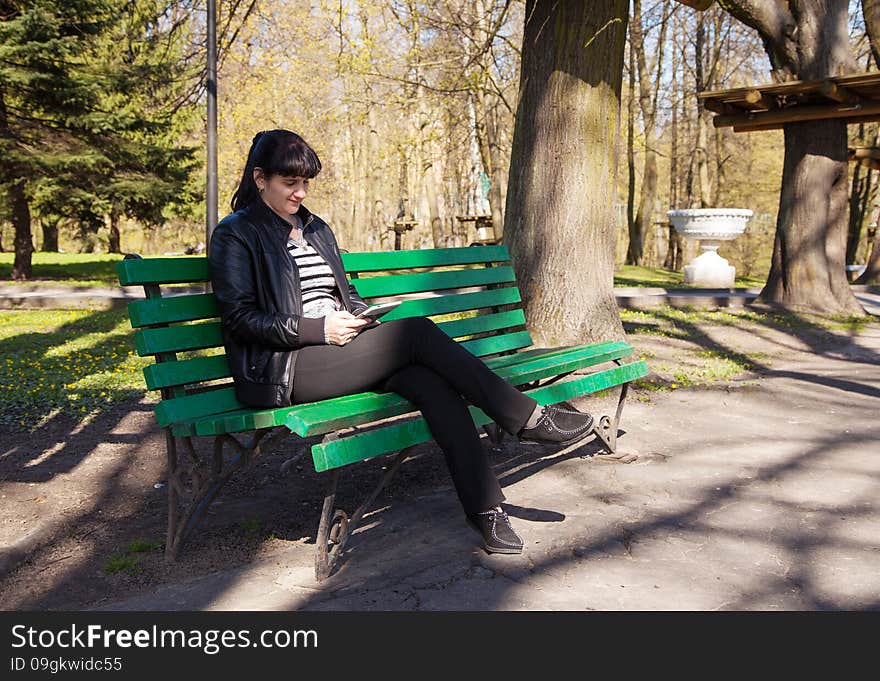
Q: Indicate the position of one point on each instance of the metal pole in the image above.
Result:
(211, 215)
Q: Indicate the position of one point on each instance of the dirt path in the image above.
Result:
(774, 463)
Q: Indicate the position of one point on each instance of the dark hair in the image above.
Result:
(277, 152)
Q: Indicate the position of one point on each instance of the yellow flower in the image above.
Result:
(674, 386)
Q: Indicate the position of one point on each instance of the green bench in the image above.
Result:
(182, 332)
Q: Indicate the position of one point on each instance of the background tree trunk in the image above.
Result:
(21, 218)
(871, 275)
(808, 41)
(49, 224)
(807, 270)
(115, 241)
(560, 208)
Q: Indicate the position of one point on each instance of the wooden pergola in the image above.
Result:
(854, 98)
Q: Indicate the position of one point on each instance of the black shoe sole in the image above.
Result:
(486, 547)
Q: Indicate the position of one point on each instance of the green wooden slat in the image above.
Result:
(493, 344)
(454, 302)
(197, 405)
(522, 355)
(151, 311)
(182, 372)
(327, 416)
(397, 284)
(162, 270)
(483, 323)
(178, 338)
(395, 437)
(426, 257)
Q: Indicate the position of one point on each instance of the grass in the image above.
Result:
(638, 276)
(89, 269)
(682, 322)
(65, 362)
(128, 560)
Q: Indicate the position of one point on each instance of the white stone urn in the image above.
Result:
(711, 226)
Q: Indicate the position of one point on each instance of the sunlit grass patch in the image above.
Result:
(69, 362)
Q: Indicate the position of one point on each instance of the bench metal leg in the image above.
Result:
(201, 481)
(336, 527)
(605, 429)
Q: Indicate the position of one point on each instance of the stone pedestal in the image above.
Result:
(709, 269)
(710, 226)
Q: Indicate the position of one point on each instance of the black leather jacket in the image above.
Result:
(256, 284)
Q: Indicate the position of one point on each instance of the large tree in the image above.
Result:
(90, 115)
(807, 40)
(48, 100)
(559, 215)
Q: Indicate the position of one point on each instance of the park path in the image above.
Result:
(761, 494)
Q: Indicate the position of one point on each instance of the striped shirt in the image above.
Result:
(316, 280)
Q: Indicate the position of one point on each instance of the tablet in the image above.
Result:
(379, 310)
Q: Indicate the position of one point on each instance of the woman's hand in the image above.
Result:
(341, 326)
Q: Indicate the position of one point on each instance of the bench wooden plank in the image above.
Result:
(186, 308)
(502, 343)
(454, 302)
(182, 372)
(397, 284)
(199, 404)
(428, 257)
(178, 338)
(177, 270)
(483, 323)
(391, 438)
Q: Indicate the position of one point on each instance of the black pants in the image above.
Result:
(415, 358)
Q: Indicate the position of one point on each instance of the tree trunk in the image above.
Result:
(701, 153)
(428, 172)
(859, 201)
(490, 154)
(630, 148)
(49, 225)
(21, 218)
(871, 275)
(640, 227)
(807, 271)
(115, 241)
(673, 241)
(11, 175)
(560, 200)
(808, 40)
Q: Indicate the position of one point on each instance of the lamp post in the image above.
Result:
(211, 192)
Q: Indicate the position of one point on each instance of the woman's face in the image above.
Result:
(282, 193)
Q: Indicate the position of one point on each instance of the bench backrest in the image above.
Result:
(478, 281)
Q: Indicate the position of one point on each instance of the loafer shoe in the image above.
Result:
(558, 426)
(494, 527)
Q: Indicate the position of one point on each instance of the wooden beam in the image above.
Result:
(838, 93)
(859, 153)
(762, 127)
(796, 114)
(698, 5)
(759, 99)
(719, 107)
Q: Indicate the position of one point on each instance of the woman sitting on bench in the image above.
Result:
(291, 335)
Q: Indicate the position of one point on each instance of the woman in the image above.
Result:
(291, 335)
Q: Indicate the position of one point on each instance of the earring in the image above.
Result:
(262, 189)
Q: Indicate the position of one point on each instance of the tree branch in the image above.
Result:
(775, 24)
(871, 14)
